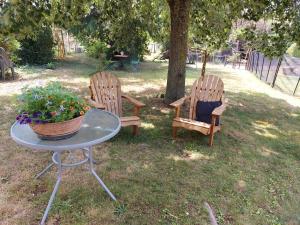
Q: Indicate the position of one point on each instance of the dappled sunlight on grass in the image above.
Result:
(267, 152)
(148, 125)
(265, 133)
(263, 128)
(190, 156)
(240, 80)
(138, 88)
(251, 175)
(165, 111)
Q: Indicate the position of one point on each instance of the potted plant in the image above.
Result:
(53, 112)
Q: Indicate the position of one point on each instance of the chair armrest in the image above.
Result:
(133, 101)
(96, 104)
(179, 102)
(219, 110)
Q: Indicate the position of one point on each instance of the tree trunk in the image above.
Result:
(63, 53)
(179, 10)
(205, 56)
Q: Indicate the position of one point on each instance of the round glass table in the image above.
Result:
(98, 126)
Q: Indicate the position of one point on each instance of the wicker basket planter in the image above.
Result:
(57, 131)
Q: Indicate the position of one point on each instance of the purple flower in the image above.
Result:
(38, 121)
(36, 114)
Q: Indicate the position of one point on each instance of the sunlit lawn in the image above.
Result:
(250, 176)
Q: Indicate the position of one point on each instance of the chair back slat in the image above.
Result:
(106, 90)
(209, 88)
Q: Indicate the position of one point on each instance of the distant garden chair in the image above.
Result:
(106, 94)
(207, 89)
(5, 63)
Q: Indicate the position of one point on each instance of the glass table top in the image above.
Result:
(97, 127)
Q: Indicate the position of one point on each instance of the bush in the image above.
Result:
(294, 50)
(50, 66)
(37, 50)
(96, 49)
(10, 45)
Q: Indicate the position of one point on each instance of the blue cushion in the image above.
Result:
(204, 111)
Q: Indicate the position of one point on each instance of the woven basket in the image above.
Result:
(57, 131)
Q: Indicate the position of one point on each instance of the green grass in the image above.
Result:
(250, 176)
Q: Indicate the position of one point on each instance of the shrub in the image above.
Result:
(96, 49)
(50, 66)
(11, 46)
(38, 49)
(294, 50)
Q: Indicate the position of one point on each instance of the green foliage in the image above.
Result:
(52, 103)
(280, 28)
(120, 209)
(125, 25)
(294, 50)
(210, 28)
(50, 65)
(37, 50)
(23, 18)
(11, 46)
(99, 50)
(96, 48)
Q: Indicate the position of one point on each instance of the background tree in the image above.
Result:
(124, 25)
(210, 28)
(28, 24)
(281, 27)
(38, 50)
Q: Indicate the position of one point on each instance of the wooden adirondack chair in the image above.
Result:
(209, 88)
(5, 63)
(106, 94)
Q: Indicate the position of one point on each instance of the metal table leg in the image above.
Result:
(86, 154)
(59, 172)
(56, 158)
(97, 177)
(48, 167)
(44, 171)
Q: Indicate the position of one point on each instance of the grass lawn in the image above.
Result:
(250, 176)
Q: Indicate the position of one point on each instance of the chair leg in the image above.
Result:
(174, 132)
(135, 130)
(211, 139)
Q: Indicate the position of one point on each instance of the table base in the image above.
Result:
(56, 158)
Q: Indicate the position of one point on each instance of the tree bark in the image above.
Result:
(205, 56)
(179, 10)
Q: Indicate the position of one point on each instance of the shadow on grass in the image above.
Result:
(245, 170)
(250, 176)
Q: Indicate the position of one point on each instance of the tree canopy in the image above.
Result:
(128, 25)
